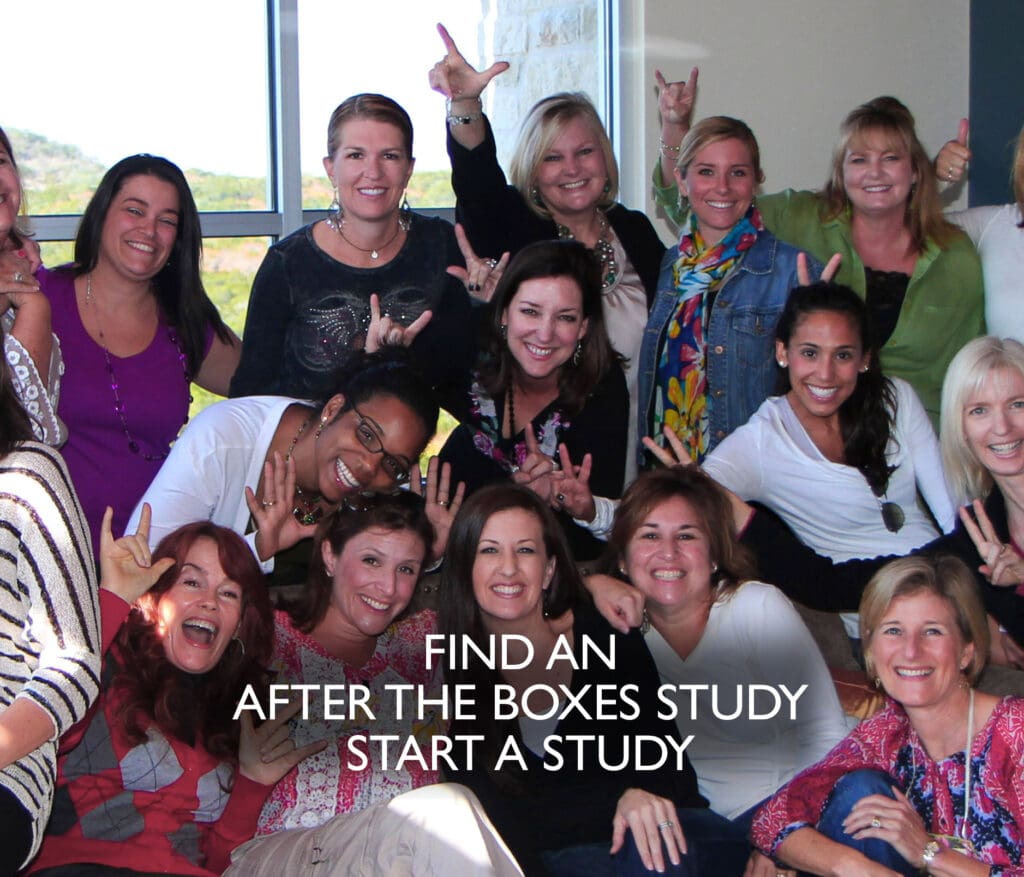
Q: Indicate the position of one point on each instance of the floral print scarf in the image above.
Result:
(681, 399)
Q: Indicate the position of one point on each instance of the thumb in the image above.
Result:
(497, 68)
(963, 131)
(161, 566)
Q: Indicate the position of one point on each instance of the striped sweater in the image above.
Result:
(49, 615)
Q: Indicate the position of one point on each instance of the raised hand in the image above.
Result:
(676, 99)
(480, 276)
(385, 332)
(952, 160)
(676, 453)
(1002, 565)
(572, 486)
(654, 824)
(16, 278)
(536, 469)
(441, 504)
(267, 753)
(276, 526)
(126, 564)
(455, 78)
(803, 273)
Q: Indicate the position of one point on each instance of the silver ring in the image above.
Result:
(491, 263)
(442, 502)
(560, 497)
(668, 823)
(949, 174)
(555, 465)
(876, 822)
(513, 468)
(18, 277)
(269, 503)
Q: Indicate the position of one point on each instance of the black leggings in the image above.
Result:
(15, 834)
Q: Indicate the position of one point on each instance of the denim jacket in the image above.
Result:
(740, 339)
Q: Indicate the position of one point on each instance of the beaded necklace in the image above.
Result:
(603, 249)
(115, 387)
(307, 509)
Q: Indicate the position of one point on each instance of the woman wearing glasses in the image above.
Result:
(281, 463)
(839, 430)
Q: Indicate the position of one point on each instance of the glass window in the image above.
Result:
(186, 81)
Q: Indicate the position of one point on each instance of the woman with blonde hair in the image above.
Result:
(706, 360)
(565, 183)
(933, 782)
(879, 209)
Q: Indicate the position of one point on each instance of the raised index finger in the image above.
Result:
(446, 37)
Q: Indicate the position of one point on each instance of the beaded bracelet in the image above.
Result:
(666, 148)
(467, 119)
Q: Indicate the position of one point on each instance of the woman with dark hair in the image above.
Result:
(161, 777)
(879, 209)
(312, 301)
(136, 328)
(710, 624)
(270, 466)
(842, 452)
(548, 376)
(564, 184)
(49, 625)
(350, 629)
(508, 572)
(932, 784)
(30, 347)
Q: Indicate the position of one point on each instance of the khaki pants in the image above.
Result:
(434, 831)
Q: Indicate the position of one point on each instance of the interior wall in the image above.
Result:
(792, 69)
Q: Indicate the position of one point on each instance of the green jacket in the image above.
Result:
(944, 307)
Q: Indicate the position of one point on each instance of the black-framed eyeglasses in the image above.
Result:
(893, 516)
(368, 433)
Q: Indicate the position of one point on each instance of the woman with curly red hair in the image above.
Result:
(160, 777)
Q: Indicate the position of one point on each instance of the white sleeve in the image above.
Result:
(921, 449)
(973, 221)
(737, 463)
(788, 655)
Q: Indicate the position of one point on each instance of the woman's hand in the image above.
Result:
(572, 486)
(455, 78)
(653, 822)
(676, 455)
(952, 160)
(676, 100)
(276, 526)
(126, 564)
(759, 865)
(16, 278)
(537, 470)
(480, 276)
(892, 820)
(267, 753)
(803, 273)
(441, 504)
(621, 605)
(1002, 565)
(385, 332)
(1003, 650)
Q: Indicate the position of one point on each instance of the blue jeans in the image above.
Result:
(715, 848)
(845, 793)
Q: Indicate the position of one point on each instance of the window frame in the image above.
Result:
(284, 175)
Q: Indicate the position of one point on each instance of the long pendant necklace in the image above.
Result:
(510, 396)
(307, 510)
(337, 225)
(603, 249)
(115, 387)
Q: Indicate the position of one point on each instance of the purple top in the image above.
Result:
(152, 388)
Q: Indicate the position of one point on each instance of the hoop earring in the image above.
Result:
(504, 331)
(577, 353)
(335, 209)
(241, 645)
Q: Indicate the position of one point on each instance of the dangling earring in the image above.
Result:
(405, 213)
(645, 624)
(336, 213)
(577, 354)
(877, 683)
(504, 331)
(535, 196)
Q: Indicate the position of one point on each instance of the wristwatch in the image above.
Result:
(930, 851)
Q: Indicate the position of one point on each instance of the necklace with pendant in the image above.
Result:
(337, 225)
(115, 386)
(307, 509)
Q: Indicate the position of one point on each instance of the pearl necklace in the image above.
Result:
(115, 387)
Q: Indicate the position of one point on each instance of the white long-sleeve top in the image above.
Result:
(752, 636)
